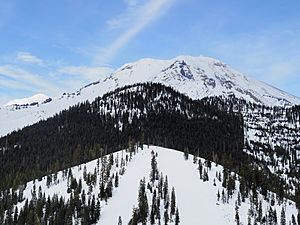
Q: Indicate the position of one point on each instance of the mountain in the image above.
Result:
(196, 77)
(205, 193)
(243, 167)
(200, 77)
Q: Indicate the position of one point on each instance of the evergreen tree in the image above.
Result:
(98, 210)
(177, 220)
(237, 216)
(293, 220)
(282, 217)
(165, 188)
(166, 217)
(143, 202)
(173, 202)
(154, 170)
(120, 221)
(116, 180)
(135, 217)
(153, 208)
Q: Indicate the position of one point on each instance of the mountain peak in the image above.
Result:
(201, 76)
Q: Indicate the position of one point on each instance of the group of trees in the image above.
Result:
(78, 205)
(163, 208)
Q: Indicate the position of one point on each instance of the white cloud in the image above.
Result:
(87, 73)
(136, 19)
(131, 2)
(24, 80)
(27, 57)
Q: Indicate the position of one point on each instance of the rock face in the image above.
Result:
(196, 77)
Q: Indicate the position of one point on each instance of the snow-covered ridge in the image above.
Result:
(197, 77)
(30, 101)
(197, 198)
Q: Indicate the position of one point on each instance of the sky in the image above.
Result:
(58, 46)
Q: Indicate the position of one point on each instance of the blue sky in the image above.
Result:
(60, 45)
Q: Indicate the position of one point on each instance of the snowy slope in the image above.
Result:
(196, 200)
(35, 99)
(197, 77)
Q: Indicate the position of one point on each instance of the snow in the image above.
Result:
(196, 77)
(38, 98)
(196, 199)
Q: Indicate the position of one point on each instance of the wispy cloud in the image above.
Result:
(137, 17)
(22, 79)
(131, 2)
(267, 56)
(87, 73)
(27, 57)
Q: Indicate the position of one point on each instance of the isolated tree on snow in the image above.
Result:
(120, 221)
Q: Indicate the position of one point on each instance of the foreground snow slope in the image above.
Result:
(197, 77)
(196, 200)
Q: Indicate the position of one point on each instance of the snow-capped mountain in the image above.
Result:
(197, 77)
(200, 77)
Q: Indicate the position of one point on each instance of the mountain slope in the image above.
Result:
(196, 197)
(197, 77)
(31, 101)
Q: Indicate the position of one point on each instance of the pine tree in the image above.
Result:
(177, 220)
(293, 220)
(153, 208)
(143, 202)
(154, 170)
(282, 217)
(237, 217)
(173, 202)
(98, 210)
(158, 216)
(120, 221)
(135, 217)
(117, 180)
(218, 195)
(166, 217)
(200, 168)
(186, 153)
(165, 188)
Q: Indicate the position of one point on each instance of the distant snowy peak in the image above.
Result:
(200, 77)
(33, 100)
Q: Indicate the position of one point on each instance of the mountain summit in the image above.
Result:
(199, 77)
